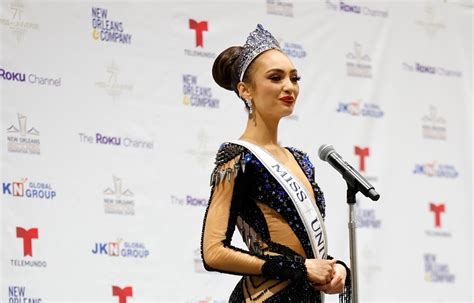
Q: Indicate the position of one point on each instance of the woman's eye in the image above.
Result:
(275, 78)
(295, 78)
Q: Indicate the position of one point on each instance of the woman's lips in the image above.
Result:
(288, 99)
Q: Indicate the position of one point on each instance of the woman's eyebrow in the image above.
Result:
(280, 70)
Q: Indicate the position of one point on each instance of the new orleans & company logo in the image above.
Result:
(17, 24)
(22, 139)
(436, 272)
(118, 200)
(366, 218)
(197, 96)
(107, 30)
(18, 294)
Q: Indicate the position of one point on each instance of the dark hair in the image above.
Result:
(225, 68)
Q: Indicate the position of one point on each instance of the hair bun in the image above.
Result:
(225, 67)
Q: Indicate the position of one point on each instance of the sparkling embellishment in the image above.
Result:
(229, 173)
(222, 175)
(236, 168)
(242, 163)
(258, 41)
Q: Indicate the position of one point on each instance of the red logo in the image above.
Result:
(199, 27)
(362, 153)
(122, 293)
(437, 209)
(28, 236)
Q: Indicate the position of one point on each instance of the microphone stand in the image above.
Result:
(351, 200)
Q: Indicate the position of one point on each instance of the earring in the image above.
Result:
(249, 106)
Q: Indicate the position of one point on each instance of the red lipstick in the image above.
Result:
(287, 99)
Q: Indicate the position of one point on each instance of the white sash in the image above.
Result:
(306, 207)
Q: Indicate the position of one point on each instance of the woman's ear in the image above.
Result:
(244, 91)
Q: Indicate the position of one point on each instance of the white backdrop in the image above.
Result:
(110, 120)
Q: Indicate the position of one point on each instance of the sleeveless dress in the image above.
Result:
(245, 195)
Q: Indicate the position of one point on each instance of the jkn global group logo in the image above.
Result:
(433, 125)
(433, 169)
(437, 211)
(23, 138)
(358, 108)
(16, 19)
(108, 30)
(118, 200)
(352, 8)
(199, 28)
(430, 69)
(430, 22)
(113, 85)
(29, 189)
(120, 248)
(363, 153)
(26, 236)
(293, 50)
(113, 140)
(358, 63)
(196, 95)
(15, 76)
(436, 272)
(280, 7)
(19, 294)
(122, 293)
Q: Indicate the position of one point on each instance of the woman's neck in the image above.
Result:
(261, 132)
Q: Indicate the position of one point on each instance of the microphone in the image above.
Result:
(353, 178)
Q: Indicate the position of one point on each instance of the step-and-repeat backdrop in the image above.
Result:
(110, 120)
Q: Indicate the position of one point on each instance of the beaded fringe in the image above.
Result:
(224, 171)
(346, 295)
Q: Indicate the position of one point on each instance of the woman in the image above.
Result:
(267, 191)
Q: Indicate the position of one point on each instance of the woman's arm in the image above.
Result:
(217, 253)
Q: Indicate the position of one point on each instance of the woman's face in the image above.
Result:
(274, 86)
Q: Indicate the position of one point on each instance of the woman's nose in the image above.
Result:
(288, 85)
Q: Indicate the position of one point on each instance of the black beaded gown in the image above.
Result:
(246, 195)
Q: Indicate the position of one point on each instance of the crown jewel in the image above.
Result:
(258, 41)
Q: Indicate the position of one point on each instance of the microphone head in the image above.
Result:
(324, 151)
